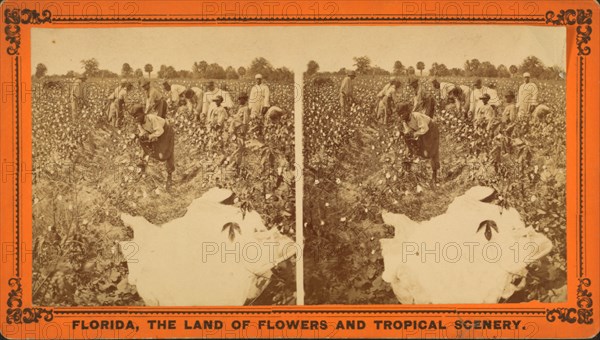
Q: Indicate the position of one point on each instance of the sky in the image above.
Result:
(333, 47)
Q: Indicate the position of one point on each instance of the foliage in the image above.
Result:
(420, 67)
(362, 64)
(91, 67)
(86, 176)
(40, 70)
(148, 68)
(356, 168)
(126, 70)
(312, 67)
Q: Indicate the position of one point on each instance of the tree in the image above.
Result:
(230, 73)
(40, 70)
(282, 74)
(262, 66)
(420, 67)
(410, 71)
(167, 72)
(457, 72)
(215, 71)
(486, 69)
(148, 68)
(399, 69)
(91, 67)
(199, 69)
(513, 70)
(138, 73)
(241, 71)
(378, 71)
(472, 67)
(503, 71)
(126, 70)
(362, 64)
(438, 70)
(553, 72)
(312, 68)
(533, 65)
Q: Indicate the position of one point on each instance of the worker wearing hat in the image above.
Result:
(260, 97)
(155, 102)
(217, 115)
(421, 135)
(422, 101)
(527, 97)
(77, 95)
(212, 91)
(240, 121)
(509, 115)
(347, 91)
(175, 93)
(157, 139)
(485, 113)
(388, 96)
(477, 91)
(116, 102)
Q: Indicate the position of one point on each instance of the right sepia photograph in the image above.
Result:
(435, 165)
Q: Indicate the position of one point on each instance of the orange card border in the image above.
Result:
(578, 317)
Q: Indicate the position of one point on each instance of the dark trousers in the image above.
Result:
(163, 149)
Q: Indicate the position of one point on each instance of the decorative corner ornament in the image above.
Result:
(582, 314)
(15, 17)
(583, 18)
(17, 315)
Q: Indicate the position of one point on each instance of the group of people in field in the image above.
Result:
(478, 103)
(212, 105)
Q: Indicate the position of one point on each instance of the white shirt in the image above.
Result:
(445, 88)
(208, 104)
(176, 91)
(526, 97)
(259, 98)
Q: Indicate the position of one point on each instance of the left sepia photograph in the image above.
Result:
(163, 162)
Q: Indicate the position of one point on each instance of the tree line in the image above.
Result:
(199, 70)
(471, 68)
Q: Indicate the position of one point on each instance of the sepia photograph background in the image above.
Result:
(96, 215)
(377, 230)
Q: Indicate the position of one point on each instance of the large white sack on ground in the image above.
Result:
(445, 259)
(190, 261)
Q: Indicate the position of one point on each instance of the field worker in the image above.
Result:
(157, 140)
(509, 115)
(259, 97)
(274, 113)
(77, 96)
(422, 102)
(174, 93)
(240, 121)
(527, 96)
(117, 102)
(227, 101)
(346, 91)
(485, 113)
(422, 134)
(541, 111)
(475, 98)
(155, 102)
(217, 116)
(460, 96)
(193, 100)
(495, 100)
(386, 99)
(208, 101)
